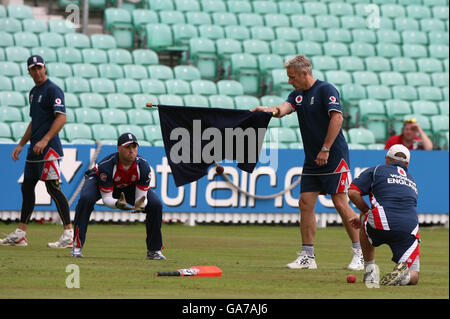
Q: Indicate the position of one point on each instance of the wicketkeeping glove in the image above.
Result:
(139, 206)
(122, 203)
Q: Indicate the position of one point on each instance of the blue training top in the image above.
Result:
(393, 194)
(313, 109)
(45, 101)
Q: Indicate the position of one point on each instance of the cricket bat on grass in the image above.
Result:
(196, 271)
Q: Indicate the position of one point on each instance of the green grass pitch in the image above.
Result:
(252, 257)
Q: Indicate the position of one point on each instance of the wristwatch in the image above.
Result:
(324, 149)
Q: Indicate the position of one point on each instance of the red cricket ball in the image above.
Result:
(351, 278)
(219, 169)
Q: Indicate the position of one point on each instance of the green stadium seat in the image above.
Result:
(230, 88)
(415, 51)
(404, 92)
(85, 70)
(353, 92)
(119, 56)
(279, 84)
(92, 100)
(182, 32)
(246, 102)
(377, 64)
(356, 146)
(364, 36)
(198, 18)
(117, 17)
(438, 51)
(431, 24)
(224, 18)
(110, 71)
(396, 110)
(414, 37)
(135, 71)
(301, 21)
(440, 127)
(379, 92)
(74, 131)
(128, 86)
(416, 11)
(221, 101)
(145, 57)
(430, 93)
(390, 78)
(283, 47)
(10, 25)
(225, 48)
(244, 68)
(289, 121)
(440, 79)
(71, 100)
(237, 32)
(17, 54)
(153, 86)
(94, 56)
(6, 39)
(18, 129)
(338, 77)
(264, 7)
(140, 17)
(339, 35)
(277, 20)
(114, 116)
(352, 21)
(443, 107)
(51, 40)
(213, 6)
(152, 132)
(403, 64)
(239, 6)
(26, 39)
(203, 56)
(61, 26)
(340, 8)
(169, 17)
(5, 132)
(336, 49)
(440, 12)
(12, 98)
(141, 99)
(59, 82)
(290, 7)
(254, 46)
(5, 83)
(314, 34)
(158, 5)
(104, 132)
(429, 65)
(309, 48)
(351, 63)
(77, 40)
(438, 37)
(427, 108)
(69, 55)
(282, 134)
(160, 72)
(48, 54)
(365, 78)
(361, 136)
(77, 85)
(315, 8)
(362, 50)
(263, 33)
(103, 41)
(271, 100)
(324, 62)
(268, 62)
(328, 21)
(102, 85)
(388, 50)
(133, 128)
(274, 122)
(195, 100)
(2, 11)
(59, 69)
(203, 87)
(177, 87)
(445, 93)
(87, 115)
(10, 114)
(372, 115)
(418, 79)
(140, 117)
(118, 100)
(288, 34)
(186, 72)
(389, 36)
(211, 31)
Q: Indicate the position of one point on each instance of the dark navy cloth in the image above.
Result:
(313, 107)
(45, 101)
(193, 135)
(393, 194)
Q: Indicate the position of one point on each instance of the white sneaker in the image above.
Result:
(357, 262)
(76, 252)
(303, 261)
(65, 241)
(372, 276)
(397, 276)
(16, 238)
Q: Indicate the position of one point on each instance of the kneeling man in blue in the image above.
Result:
(121, 180)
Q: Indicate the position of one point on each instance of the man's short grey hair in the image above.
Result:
(300, 63)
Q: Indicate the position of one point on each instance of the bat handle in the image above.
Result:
(149, 105)
(169, 273)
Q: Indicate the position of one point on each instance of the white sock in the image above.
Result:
(20, 232)
(68, 233)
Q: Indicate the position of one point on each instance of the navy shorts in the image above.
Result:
(325, 184)
(404, 246)
(44, 171)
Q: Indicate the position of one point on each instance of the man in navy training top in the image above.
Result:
(120, 179)
(392, 220)
(48, 116)
(326, 165)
